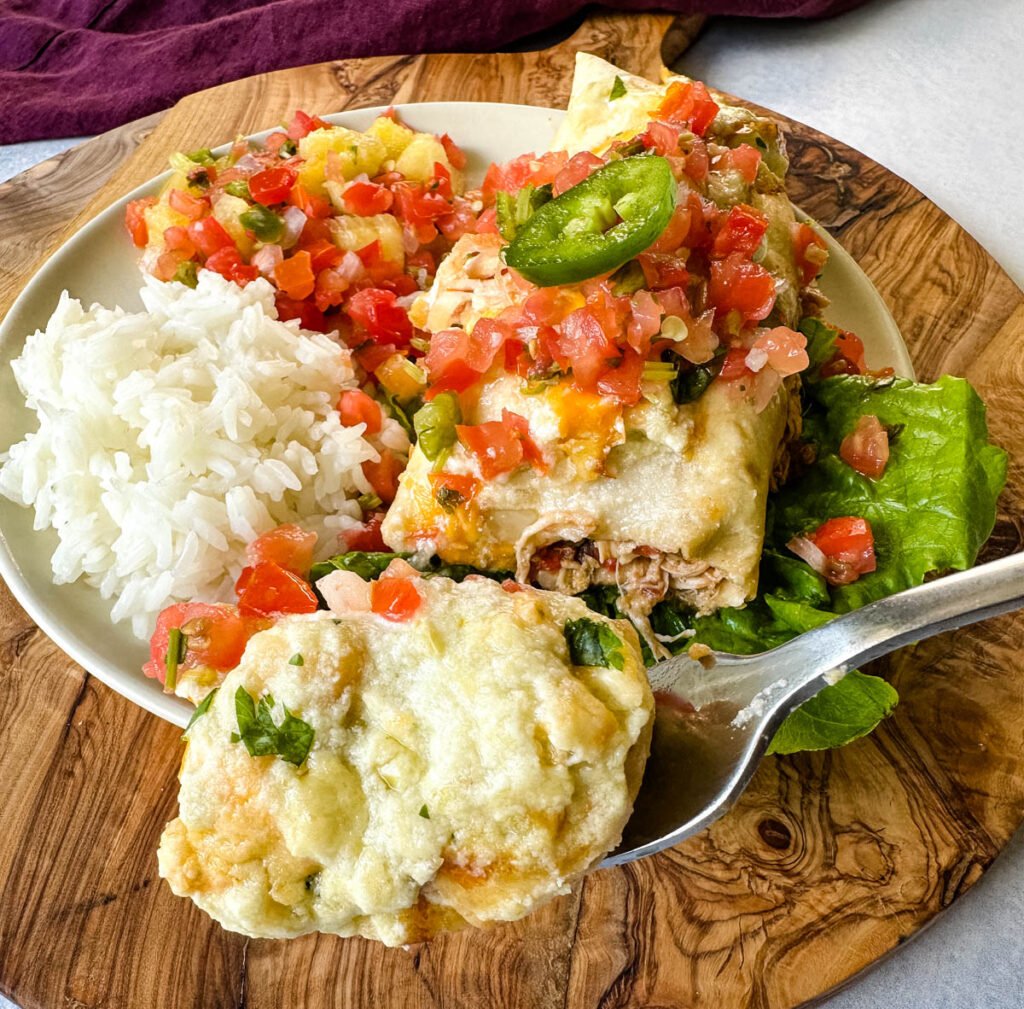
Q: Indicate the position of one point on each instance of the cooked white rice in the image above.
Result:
(171, 438)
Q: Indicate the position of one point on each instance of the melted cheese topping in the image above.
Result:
(688, 480)
(462, 770)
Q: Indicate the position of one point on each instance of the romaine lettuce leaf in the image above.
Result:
(931, 511)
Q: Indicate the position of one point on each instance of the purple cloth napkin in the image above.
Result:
(71, 67)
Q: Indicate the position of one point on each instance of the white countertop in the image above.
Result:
(934, 91)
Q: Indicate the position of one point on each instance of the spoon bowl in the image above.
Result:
(715, 717)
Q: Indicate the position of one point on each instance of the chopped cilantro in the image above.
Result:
(592, 643)
(297, 660)
(618, 89)
(291, 740)
(201, 709)
(424, 812)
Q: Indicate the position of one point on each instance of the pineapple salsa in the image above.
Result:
(347, 226)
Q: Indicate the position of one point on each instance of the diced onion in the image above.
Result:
(294, 222)
(809, 552)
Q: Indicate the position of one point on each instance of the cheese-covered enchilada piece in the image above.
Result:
(460, 767)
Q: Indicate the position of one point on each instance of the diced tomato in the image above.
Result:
(366, 536)
(515, 356)
(623, 381)
(810, 251)
(243, 273)
(585, 347)
(276, 141)
(497, 447)
(662, 138)
(849, 548)
(422, 259)
(383, 475)
(662, 270)
(309, 316)
(689, 102)
(441, 182)
(356, 407)
(644, 322)
(866, 447)
(740, 232)
(697, 162)
(185, 203)
(395, 599)
(520, 426)
(288, 545)
(734, 364)
(487, 223)
(782, 349)
(379, 314)
(166, 265)
(135, 220)
(215, 635)
(224, 261)
(176, 239)
(743, 159)
(455, 488)
(456, 156)
(548, 306)
(323, 254)
(266, 589)
(302, 124)
(848, 358)
(526, 170)
(676, 231)
(741, 286)
(272, 185)
(308, 203)
(208, 236)
(367, 199)
(419, 207)
(579, 168)
(457, 359)
(704, 215)
(294, 276)
(511, 585)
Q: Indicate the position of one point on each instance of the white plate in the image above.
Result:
(99, 265)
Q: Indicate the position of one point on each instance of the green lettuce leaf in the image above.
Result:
(931, 511)
(837, 715)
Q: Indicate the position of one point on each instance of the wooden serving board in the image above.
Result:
(830, 860)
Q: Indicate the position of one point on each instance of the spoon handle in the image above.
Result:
(883, 626)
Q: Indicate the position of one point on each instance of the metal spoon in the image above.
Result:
(714, 721)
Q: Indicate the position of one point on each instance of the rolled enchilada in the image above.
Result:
(652, 474)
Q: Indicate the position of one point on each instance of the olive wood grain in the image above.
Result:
(830, 860)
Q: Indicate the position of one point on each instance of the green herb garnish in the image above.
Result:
(592, 643)
(297, 660)
(369, 502)
(201, 709)
(177, 646)
(618, 89)
(291, 740)
(424, 812)
(367, 564)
